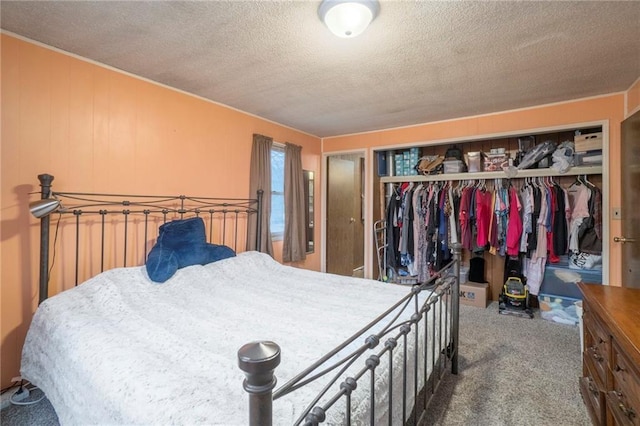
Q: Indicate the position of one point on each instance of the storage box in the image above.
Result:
(391, 163)
(588, 142)
(464, 274)
(560, 280)
(560, 309)
(495, 162)
(381, 157)
(474, 294)
(591, 158)
(474, 159)
(399, 161)
(453, 166)
(559, 291)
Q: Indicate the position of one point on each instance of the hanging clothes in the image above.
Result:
(514, 228)
(493, 227)
(483, 216)
(502, 218)
(526, 194)
(464, 218)
(539, 219)
(589, 236)
(560, 224)
(393, 230)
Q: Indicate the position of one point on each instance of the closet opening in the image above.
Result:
(396, 176)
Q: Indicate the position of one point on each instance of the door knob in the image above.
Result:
(352, 220)
(624, 240)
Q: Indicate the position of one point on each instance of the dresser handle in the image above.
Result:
(628, 412)
(594, 353)
(618, 368)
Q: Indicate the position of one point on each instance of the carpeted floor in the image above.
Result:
(513, 371)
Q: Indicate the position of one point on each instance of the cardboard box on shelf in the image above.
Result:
(495, 162)
(588, 142)
(474, 294)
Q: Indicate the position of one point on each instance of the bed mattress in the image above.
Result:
(120, 349)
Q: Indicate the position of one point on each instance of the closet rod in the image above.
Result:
(580, 170)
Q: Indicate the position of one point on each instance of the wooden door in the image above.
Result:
(340, 222)
(630, 213)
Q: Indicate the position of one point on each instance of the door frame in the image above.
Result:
(626, 227)
(368, 239)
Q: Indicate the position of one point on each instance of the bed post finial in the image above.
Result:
(45, 192)
(258, 360)
(45, 183)
(455, 308)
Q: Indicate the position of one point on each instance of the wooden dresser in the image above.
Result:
(610, 385)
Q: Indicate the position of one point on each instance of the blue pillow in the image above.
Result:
(182, 243)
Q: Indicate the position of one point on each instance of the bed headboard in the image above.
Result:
(103, 231)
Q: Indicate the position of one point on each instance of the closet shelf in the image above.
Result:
(581, 170)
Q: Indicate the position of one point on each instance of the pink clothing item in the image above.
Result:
(483, 216)
(579, 198)
(514, 229)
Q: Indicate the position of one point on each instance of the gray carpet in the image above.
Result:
(513, 371)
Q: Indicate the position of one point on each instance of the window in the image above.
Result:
(276, 221)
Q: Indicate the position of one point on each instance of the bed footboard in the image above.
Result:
(417, 350)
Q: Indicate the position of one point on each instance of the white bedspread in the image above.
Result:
(120, 349)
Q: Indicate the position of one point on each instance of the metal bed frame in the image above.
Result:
(435, 348)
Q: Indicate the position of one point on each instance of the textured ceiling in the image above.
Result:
(418, 61)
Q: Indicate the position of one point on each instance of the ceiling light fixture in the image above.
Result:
(348, 18)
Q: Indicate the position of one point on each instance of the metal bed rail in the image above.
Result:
(428, 343)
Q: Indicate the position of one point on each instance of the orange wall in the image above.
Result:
(587, 110)
(99, 130)
(633, 98)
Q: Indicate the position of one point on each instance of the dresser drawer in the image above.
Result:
(611, 353)
(623, 414)
(624, 398)
(597, 347)
(594, 397)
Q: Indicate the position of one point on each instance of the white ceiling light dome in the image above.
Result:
(348, 18)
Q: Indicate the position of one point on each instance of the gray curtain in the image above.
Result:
(260, 178)
(294, 245)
